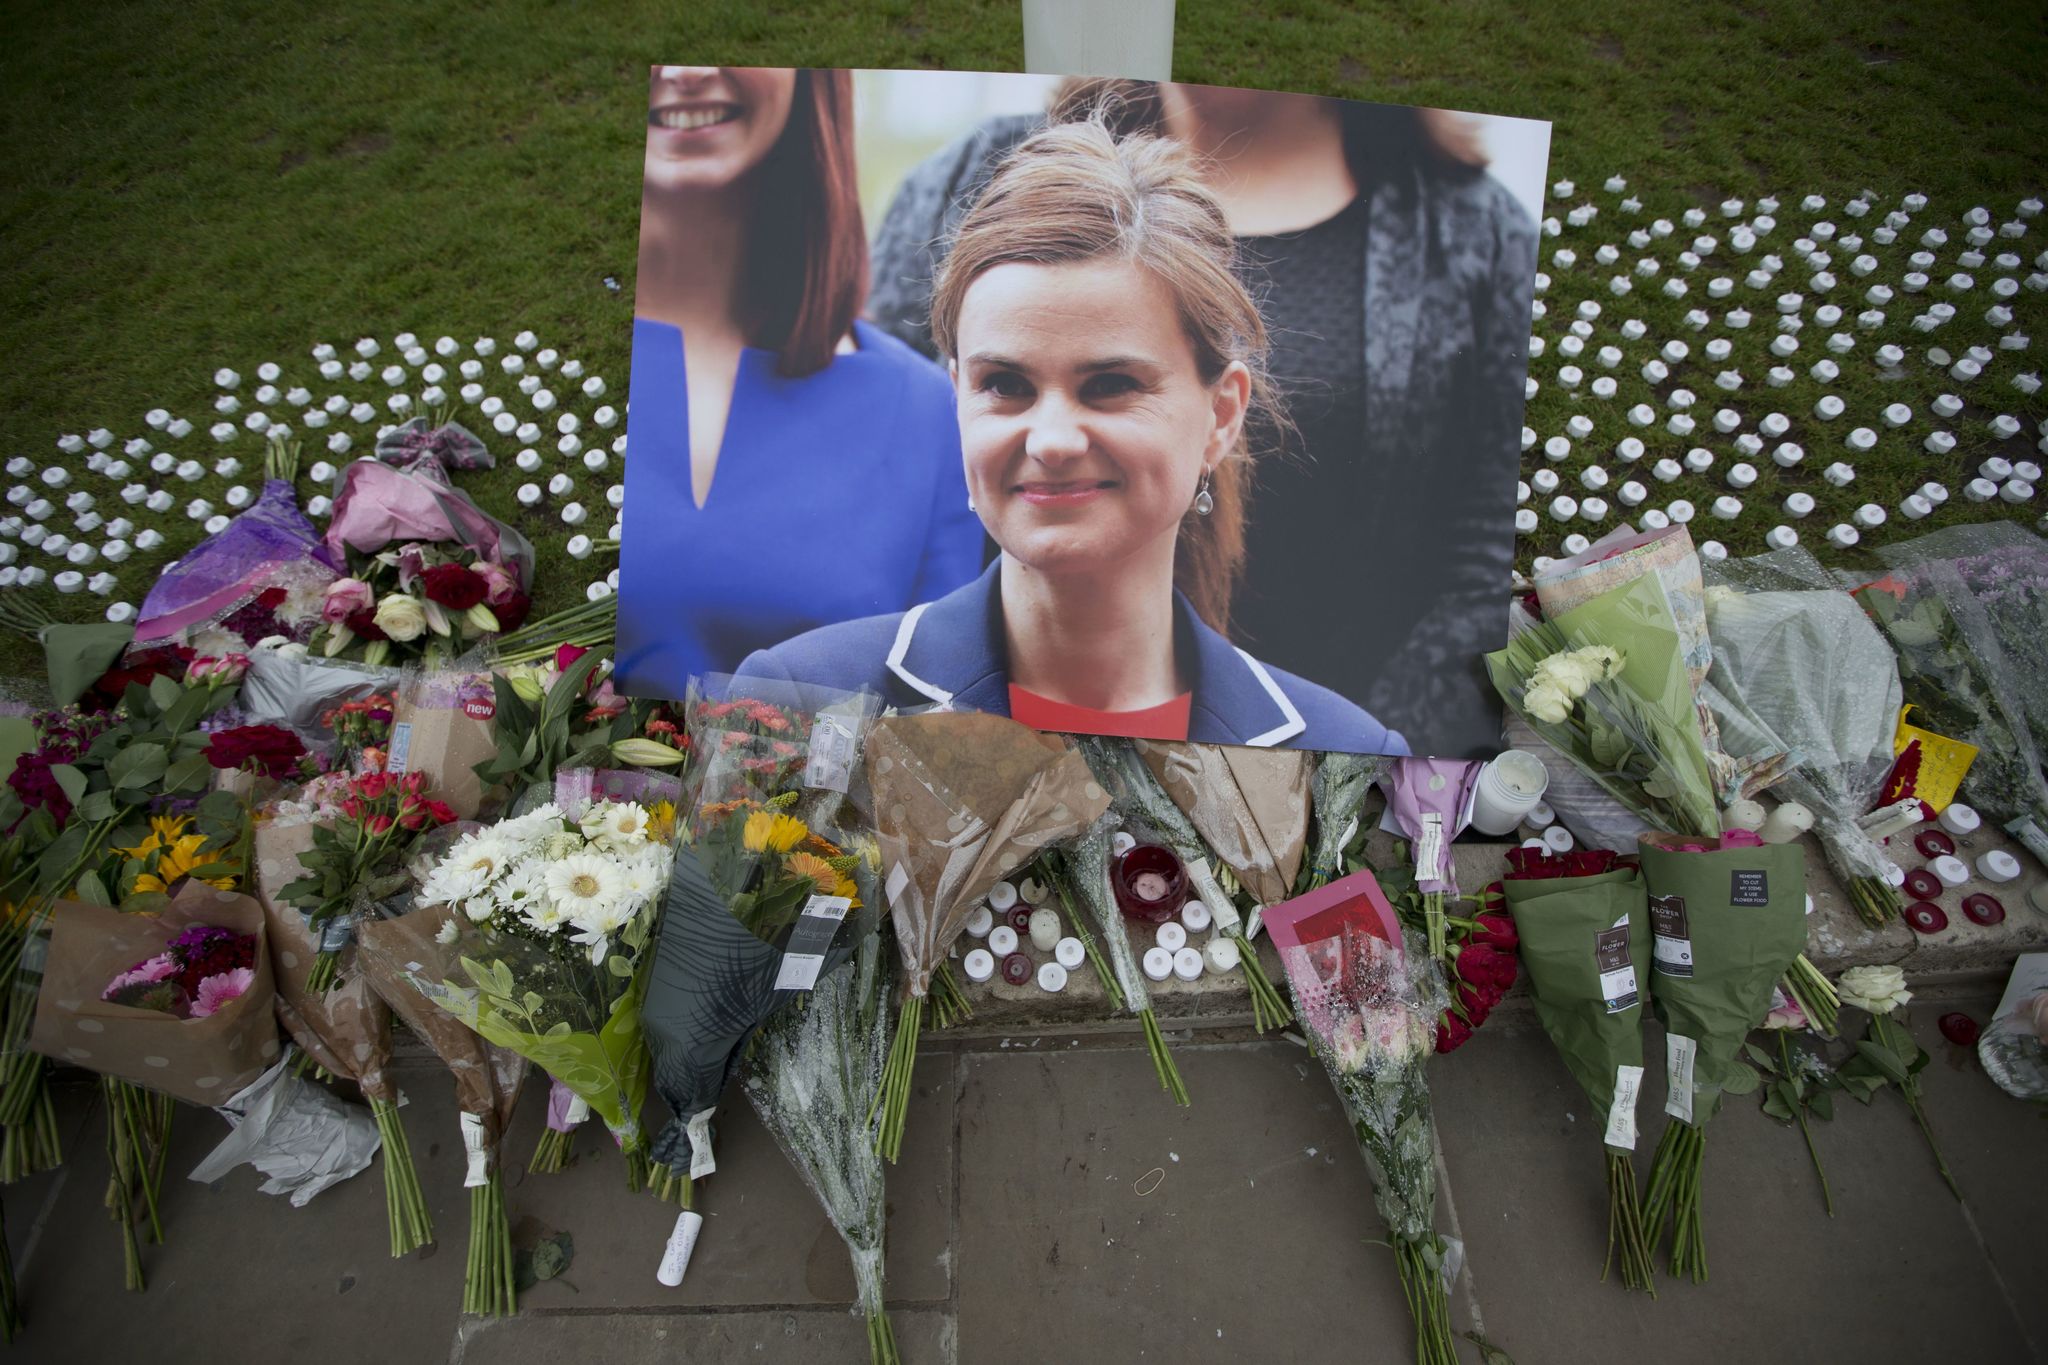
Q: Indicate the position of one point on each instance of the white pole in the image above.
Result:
(1132, 38)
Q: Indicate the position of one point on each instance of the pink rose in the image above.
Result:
(346, 597)
(503, 584)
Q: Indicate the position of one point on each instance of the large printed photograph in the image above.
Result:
(1117, 407)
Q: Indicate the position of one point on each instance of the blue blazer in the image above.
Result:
(950, 652)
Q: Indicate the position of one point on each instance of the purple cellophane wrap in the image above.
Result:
(1421, 787)
(379, 505)
(269, 545)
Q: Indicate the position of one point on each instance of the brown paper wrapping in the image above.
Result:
(200, 1061)
(1251, 806)
(487, 1078)
(445, 742)
(347, 1030)
(961, 799)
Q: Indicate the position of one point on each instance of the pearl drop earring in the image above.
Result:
(1204, 504)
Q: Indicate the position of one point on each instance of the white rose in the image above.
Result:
(1607, 658)
(1548, 703)
(1570, 673)
(401, 617)
(1876, 990)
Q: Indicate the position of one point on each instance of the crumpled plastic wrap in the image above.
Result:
(295, 690)
(297, 1134)
(1799, 667)
(814, 1077)
(1967, 607)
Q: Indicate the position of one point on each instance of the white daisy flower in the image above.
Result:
(596, 925)
(616, 825)
(477, 860)
(584, 885)
(451, 929)
(530, 827)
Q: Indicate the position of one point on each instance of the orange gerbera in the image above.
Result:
(817, 869)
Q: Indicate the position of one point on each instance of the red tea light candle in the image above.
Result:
(1016, 969)
(1149, 883)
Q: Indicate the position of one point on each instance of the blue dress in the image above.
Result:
(836, 496)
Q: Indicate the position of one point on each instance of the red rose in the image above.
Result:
(1486, 966)
(379, 824)
(1495, 930)
(363, 625)
(268, 750)
(567, 655)
(1452, 1033)
(1475, 1004)
(453, 586)
(270, 599)
(412, 815)
(513, 611)
(441, 812)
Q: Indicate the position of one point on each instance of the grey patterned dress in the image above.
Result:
(1419, 588)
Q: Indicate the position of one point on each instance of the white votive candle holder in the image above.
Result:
(1680, 511)
(1667, 470)
(1631, 494)
(1699, 459)
(1980, 490)
(2017, 491)
(1839, 474)
(1842, 535)
(1781, 537)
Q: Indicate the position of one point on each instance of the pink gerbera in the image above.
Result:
(216, 991)
(158, 968)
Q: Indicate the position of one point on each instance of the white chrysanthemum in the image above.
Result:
(616, 825)
(525, 883)
(451, 929)
(595, 926)
(645, 877)
(477, 860)
(583, 885)
(529, 828)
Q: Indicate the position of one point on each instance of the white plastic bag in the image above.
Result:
(299, 1135)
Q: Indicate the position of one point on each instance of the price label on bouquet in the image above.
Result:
(399, 749)
(830, 764)
(804, 957)
(1617, 968)
(1672, 949)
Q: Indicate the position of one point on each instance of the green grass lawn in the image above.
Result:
(189, 187)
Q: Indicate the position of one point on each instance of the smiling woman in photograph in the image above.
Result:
(763, 413)
(1107, 364)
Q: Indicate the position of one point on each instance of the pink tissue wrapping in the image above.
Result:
(379, 505)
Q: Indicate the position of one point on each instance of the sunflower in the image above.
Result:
(772, 832)
(170, 855)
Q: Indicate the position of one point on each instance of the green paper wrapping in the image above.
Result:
(1726, 925)
(1578, 934)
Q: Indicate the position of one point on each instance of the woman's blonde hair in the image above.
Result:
(1076, 192)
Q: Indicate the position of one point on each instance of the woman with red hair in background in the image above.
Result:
(764, 414)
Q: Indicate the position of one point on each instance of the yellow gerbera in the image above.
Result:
(661, 822)
(772, 832)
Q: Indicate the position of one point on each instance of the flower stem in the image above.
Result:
(1269, 1008)
(1162, 1060)
(1625, 1227)
(892, 1101)
(551, 1153)
(404, 1203)
(1799, 1113)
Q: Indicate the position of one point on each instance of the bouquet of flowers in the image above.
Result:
(164, 1006)
(814, 1077)
(757, 900)
(1479, 953)
(563, 714)
(358, 857)
(1337, 796)
(1798, 667)
(1236, 793)
(1430, 801)
(961, 799)
(262, 575)
(1368, 1002)
(1605, 684)
(395, 955)
(427, 600)
(1797, 1083)
(90, 783)
(556, 917)
(344, 1029)
(1725, 924)
(1584, 927)
(1967, 608)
